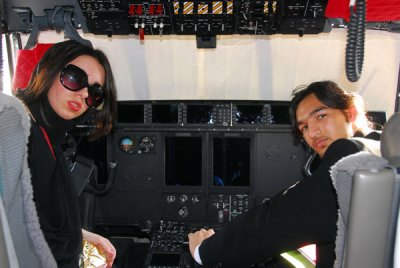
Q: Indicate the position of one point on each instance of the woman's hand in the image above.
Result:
(103, 243)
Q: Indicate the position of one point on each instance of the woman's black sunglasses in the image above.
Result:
(74, 78)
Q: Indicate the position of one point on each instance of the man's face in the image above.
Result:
(321, 125)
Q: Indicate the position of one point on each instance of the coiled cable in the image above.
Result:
(355, 41)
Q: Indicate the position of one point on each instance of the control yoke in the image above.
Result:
(84, 171)
(112, 166)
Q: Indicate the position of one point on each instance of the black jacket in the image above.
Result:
(54, 190)
(305, 213)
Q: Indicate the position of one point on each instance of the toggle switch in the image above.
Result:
(141, 34)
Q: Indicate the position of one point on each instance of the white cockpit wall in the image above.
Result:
(246, 67)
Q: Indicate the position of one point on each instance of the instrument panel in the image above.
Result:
(198, 161)
(190, 164)
(205, 18)
(207, 114)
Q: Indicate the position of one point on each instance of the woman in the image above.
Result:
(70, 81)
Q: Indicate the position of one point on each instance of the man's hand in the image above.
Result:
(102, 243)
(196, 238)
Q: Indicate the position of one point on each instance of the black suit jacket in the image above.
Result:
(305, 213)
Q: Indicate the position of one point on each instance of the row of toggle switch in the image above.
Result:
(155, 25)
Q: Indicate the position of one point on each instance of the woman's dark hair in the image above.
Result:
(330, 94)
(49, 68)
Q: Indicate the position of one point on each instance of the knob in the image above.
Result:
(183, 198)
(183, 212)
(195, 199)
(220, 216)
(171, 199)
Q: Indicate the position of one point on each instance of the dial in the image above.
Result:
(183, 212)
(146, 144)
(183, 198)
(126, 144)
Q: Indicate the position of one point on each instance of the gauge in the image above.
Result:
(126, 145)
(146, 144)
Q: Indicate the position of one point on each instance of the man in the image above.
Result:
(325, 117)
